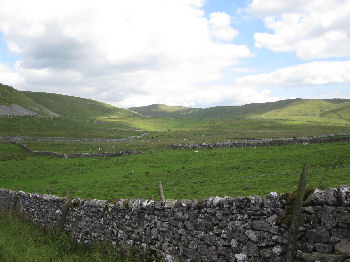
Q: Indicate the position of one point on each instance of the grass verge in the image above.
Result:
(21, 241)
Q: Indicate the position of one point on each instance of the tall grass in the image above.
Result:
(22, 241)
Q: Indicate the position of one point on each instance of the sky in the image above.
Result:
(197, 53)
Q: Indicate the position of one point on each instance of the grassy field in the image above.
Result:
(65, 127)
(167, 131)
(215, 130)
(184, 173)
(20, 241)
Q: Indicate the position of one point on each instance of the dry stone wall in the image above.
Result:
(215, 229)
(16, 140)
(265, 142)
(76, 155)
(71, 139)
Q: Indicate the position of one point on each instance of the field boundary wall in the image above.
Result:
(215, 229)
(265, 142)
(71, 139)
(76, 155)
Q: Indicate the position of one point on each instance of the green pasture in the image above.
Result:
(62, 127)
(184, 173)
(167, 130)
(185, 130)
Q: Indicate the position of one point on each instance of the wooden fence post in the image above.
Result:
(160, 189)
(15, 199)
(64, 212)
(296, 217)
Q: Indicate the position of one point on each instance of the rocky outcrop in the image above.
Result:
(265, 142)
(15, 110)
(214, 229)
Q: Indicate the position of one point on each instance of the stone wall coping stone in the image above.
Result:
(318, 197)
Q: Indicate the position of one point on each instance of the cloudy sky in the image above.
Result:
(196, 53)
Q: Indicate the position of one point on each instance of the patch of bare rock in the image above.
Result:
(15, 110)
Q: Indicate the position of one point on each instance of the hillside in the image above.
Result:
(310, 109)
(76, 107)
(290, 109)
(13, 102)
(238, 112)
(26, 103)
(43, 114)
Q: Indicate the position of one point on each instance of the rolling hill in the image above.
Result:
(309, 109)
(290, 109)
(14, 102)
(45, 114)
(160, 110)
(76, 107)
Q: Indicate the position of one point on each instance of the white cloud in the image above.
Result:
(220, 26)
(312, 29)
(119, 51)
(8, 77)
(206, 96)
(275, 7)
(315, 73)
(331, 94)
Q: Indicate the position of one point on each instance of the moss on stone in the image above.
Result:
(290, 202)
(125, 203)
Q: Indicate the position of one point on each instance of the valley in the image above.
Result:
(87, 126)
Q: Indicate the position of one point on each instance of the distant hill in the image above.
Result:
(13, 102)
(309, 109)
(160, 110)
(76, 107)
(240, 112)
(290, 109)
